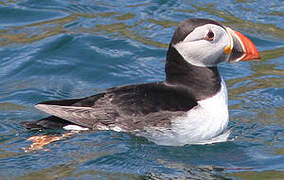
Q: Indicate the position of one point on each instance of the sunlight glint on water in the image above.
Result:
(70, 49)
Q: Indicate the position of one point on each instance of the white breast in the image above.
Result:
(200, 124)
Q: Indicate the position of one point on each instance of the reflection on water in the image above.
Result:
(259, 175)
(69, 49)
(81, 20)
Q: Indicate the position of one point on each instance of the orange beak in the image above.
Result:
(243, 48)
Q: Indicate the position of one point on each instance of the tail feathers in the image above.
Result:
(51, 122)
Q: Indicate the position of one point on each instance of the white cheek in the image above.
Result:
(191, 51)
(201, 53)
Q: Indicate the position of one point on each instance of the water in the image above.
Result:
(69, 49)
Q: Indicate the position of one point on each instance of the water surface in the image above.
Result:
(53, 49)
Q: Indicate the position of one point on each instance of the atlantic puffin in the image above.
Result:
(188, 107)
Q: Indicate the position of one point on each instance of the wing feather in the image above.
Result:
(84, 116)
(130, 106)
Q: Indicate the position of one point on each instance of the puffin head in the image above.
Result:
(205, 43)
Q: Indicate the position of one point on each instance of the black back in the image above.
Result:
(131, 107)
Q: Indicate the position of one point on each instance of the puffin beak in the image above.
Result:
(242, 48)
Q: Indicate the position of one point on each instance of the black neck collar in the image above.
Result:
(201, 82)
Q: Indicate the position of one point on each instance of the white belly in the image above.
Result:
(201, 124)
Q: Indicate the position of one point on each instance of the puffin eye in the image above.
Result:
(210, 36)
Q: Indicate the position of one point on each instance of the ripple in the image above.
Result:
(53, 49)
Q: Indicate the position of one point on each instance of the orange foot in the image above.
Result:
(42, 140)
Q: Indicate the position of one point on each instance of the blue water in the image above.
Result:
(51, 49)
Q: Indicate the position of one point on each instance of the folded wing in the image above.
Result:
(132, 106)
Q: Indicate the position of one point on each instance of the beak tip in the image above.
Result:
(251, 54)
(250, 51)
